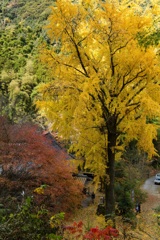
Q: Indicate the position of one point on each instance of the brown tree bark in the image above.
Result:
(110, 170)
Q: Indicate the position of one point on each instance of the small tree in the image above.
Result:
(30, 161)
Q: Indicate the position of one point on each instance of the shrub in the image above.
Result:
(28, 223)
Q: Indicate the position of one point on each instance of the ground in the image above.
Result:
(147, 227)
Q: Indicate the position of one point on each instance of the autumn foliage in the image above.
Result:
(76, 230)
(105, 87)
(34, 164)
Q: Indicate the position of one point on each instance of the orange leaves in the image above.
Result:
(38, 163)
(76, 229)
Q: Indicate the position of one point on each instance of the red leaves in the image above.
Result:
(98, 234)
(113, 232)
(31, 159)
(76, 229)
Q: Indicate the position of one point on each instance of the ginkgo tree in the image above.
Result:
(105, 86)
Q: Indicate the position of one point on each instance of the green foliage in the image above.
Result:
(20, 34)
(17, 43)
(157, 209)
(32, 12)
(128, 193)
(27, 223)
(125, 204)
(18, 67)
(151, 39)
(16, 93)
(56, 220)
(3, 211)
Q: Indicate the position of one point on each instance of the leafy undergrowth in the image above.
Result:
(146, 228)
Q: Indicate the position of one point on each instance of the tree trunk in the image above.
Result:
(110, 172)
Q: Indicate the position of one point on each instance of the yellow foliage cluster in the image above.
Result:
(39, 190)
(56, 220)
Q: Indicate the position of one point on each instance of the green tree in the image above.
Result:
(16, 93)
(105, 83)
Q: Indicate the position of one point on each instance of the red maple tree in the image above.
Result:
(29, 160)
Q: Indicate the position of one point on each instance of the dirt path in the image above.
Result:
(153, 191)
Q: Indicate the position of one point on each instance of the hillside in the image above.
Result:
(32, 13)
(21, 32)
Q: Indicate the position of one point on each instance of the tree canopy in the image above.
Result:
(34, 164)
(105, 86)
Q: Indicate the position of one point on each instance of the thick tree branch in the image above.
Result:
(67, 65)
(78, 54)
